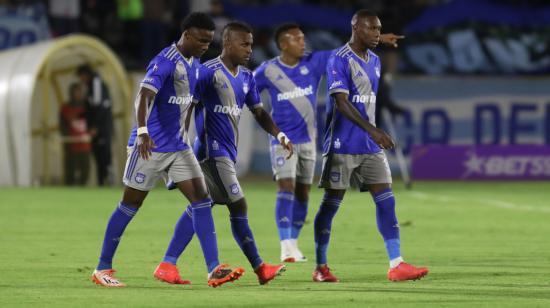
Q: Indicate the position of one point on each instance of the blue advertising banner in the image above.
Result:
(473, 111)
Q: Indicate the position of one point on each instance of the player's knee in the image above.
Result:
(238, 208)
(286, 185)
(133, 197)
(302, 192)
(335, 193)
(376, 188)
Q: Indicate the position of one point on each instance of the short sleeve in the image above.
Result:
(337, 75)
(253, 99)
(320, 59)
(157, 72)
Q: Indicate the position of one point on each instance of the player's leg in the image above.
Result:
(238, 215)
(305, 170)
(283, 217)
(197, 218)
(377, 176)
(139, 178)
(322, 231)
(224, 177)
(337, 169)
(284, 172)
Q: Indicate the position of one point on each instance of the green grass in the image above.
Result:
(487, 244)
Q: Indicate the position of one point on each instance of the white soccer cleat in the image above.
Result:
(106, 278)
(287, 253)
(298, 256)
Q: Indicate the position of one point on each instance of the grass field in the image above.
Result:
(487, 244)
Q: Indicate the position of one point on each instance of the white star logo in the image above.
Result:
(474, 165)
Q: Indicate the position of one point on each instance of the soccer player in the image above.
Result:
(157, 144)
(223, 88)
(292, 81)
(353, 147)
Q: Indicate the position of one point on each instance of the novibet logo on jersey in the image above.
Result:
(180, 100)
(295, 93)
(233, 110)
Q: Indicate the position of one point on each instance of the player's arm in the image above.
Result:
(390, 39)
(145, 144)
(346, 108)
(266, 122)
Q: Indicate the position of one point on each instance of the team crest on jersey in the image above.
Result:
(377, 71)
(335, 176)
(234, 188)
(197, 73)
(155, 68)
(280, 161)
(245, 87)
(337, 143)
(140, 178)
(304, 70)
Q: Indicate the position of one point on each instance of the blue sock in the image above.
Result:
(387, 222)
(283, 213)
(245, 239)
(322, 226)
(115, 227)
(299, 213)
(183, 233)
(203, 224)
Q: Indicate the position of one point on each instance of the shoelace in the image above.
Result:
(219, 270)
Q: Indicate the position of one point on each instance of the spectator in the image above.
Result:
(100, 119)
(76, 138)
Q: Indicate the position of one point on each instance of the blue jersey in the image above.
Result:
(220, 97)
(293, 92)
(358, 79)
(172, 78)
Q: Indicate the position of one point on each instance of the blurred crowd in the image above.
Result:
(138, 29)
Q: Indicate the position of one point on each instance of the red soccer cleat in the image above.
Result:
(405, 271)
(222, 274)
(267, 272)
(168, 272)
(323, 274)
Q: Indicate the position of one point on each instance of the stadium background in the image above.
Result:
(471, 76)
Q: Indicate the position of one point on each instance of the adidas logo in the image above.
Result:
(325, 231)
(284, 219)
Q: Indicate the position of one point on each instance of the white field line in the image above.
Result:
(488, 202)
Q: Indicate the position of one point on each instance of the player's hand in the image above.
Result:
(285, 142)
(390, 39)
(289, 148)
(382, 139)
(145, 146)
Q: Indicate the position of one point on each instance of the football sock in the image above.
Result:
(120, 218)
(322, 226)
(299, 213)
(203, 224)
(245, 239)
(283, 213)
(183, 233)
(387, 222)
